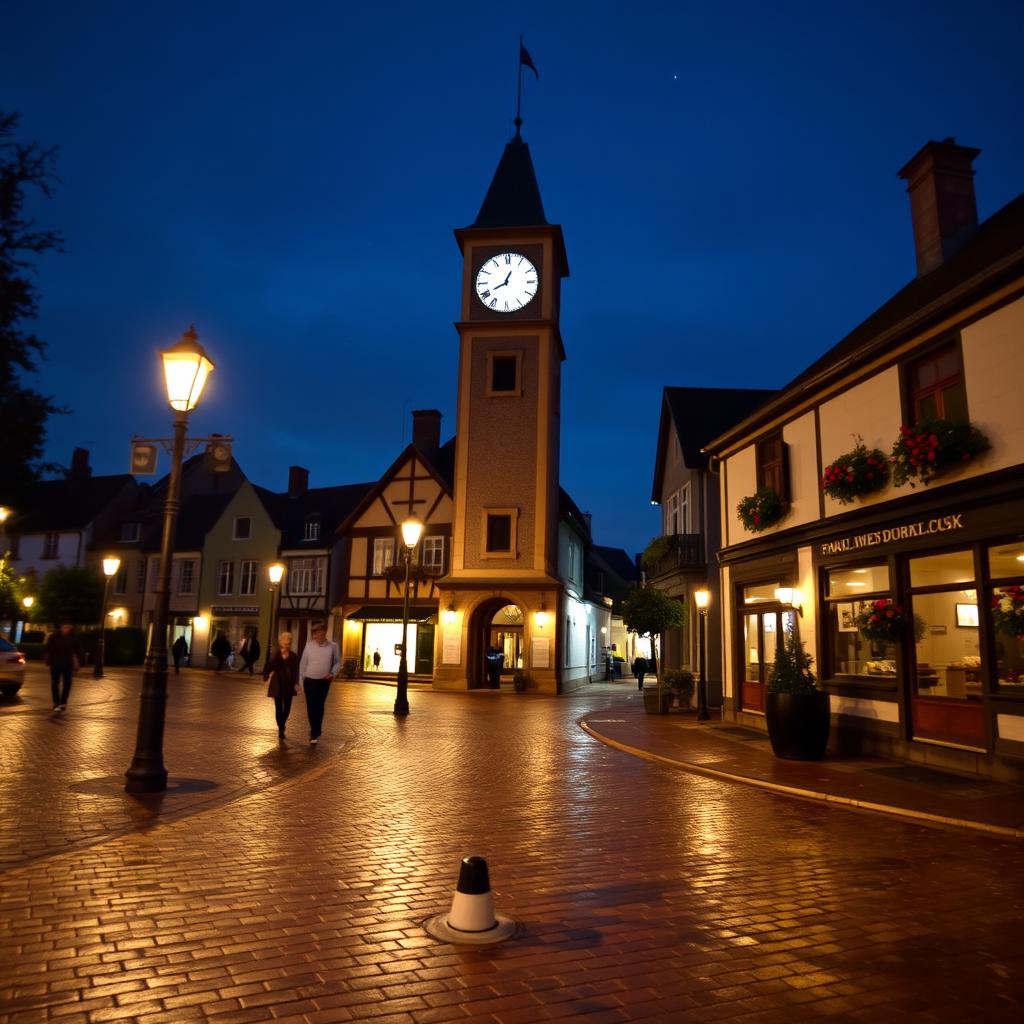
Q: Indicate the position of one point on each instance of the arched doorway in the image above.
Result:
(497, 623)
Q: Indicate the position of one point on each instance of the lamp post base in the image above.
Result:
(101, 654)
(402, 696)
(702, 701)
(145, 781)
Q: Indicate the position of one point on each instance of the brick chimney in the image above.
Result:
(298, 481)
(426, 429)
(80, 468)
(940, 181)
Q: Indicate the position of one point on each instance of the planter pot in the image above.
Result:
(656, 702)
(798, 724)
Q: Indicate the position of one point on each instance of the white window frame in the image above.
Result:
(383, 554)
(685, 511)
(187, 567)
(225, 578)
(248, 570)
(432, 555)
(235, 535)
(672, 514)
(311, 529)
(306, 576)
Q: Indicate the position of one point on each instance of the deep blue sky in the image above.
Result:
(287, 177)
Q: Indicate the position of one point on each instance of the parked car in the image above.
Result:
(12, 668)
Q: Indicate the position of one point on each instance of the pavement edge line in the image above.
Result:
(1003, 831)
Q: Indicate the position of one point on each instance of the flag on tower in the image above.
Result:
(524, 58)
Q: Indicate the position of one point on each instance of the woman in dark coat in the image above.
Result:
(221, 650)
(640, 670)
(282, 675)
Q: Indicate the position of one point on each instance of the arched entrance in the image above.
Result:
(497, 625)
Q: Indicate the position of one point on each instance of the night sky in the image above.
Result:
(287, 176)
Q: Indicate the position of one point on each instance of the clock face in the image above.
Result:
(506, 282)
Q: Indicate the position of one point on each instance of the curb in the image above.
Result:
(925, 817)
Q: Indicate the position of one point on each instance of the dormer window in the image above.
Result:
(129, 533)
(311, 529)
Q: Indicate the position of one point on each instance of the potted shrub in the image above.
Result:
(924, 451)
(521, 681)
(759, 511)
(798, 714)
(681, 683)
(349, 667)
(858, 472)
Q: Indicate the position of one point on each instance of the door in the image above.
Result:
(761, 638)
(424, 665)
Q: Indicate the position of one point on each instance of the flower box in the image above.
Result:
(932, 447)
(856, 473)
(761, 510)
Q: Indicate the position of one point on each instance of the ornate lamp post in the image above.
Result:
(110, 566)
(702, 598)
(186, 368)
(411, 530)
(275, 573)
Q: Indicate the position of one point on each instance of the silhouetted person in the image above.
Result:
(62, 655)
(179, 651)
(282, 675)
(249, 653)
(221, 650)
(640, 670)
(495, 660)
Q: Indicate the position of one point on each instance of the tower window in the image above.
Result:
(503, 373)
(499, 532)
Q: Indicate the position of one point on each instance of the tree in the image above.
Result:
(70, 594)
(650, 612)
(11, 590)
(23, 410)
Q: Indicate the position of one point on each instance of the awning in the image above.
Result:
(391, 613)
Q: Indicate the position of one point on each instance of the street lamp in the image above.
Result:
(186, 367)
(411, 530)
(702, 598)
(110, 566)
(275, 573)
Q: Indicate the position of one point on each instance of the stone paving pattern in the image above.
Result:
(290, 883)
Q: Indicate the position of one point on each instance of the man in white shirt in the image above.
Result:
(318, 665)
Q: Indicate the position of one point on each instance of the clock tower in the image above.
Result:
(506, 491)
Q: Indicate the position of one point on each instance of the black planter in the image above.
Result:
(798, 724)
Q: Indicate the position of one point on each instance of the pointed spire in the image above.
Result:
(513, 200)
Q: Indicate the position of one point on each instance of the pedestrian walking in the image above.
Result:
(250, 653)
(62, 655)
(495, 661)
(282, 675)
(179, 651)
(376, 660)
(221, 650)
(319, 665)
(640, 670)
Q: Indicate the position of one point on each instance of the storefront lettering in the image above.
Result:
(940, 524)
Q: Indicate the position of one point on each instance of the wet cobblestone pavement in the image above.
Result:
(290, 883)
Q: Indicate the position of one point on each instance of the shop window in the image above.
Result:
(247, 578)
(947, 653)
(1006, 605)
(504, 373)
(225, 578)
(243, 528)
(935, 385)
(383, 554)
(847, 592)
(773, 464)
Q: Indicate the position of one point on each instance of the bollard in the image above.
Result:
(471, 919)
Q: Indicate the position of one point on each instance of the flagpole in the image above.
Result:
(519, 85)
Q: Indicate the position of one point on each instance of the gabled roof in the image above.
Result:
(55, 505)
(699, 415)
(993, 257)
(441, 464)
(196, 518)
(618, 561)
(329, 506)
(569, 511)
(513, 200)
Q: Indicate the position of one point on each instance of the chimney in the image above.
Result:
(298, 481)
(80, 468)
(426, 429)
(940, 182)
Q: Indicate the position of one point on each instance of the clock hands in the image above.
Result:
(503, 283)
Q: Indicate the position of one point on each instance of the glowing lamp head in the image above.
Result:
(449, 615)
(702, 598)
(541, 617)
(110, 566)
(275, 573)
(199, 622)
(28, 602)
(4, 513)
(784, 595)
(412, 528)
(186, 367)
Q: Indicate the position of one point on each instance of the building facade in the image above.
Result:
(932, 379)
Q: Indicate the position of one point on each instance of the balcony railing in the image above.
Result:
(685, 551)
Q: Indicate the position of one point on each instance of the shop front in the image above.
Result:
(377, 631)
(236, 622)
(917, 629)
